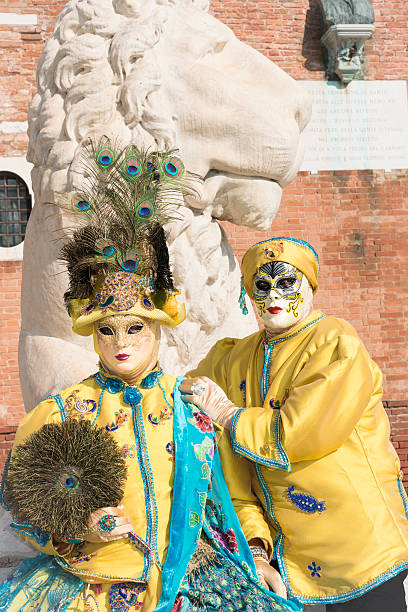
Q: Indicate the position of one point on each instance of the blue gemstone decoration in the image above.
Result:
(107, 303)
(145, 212)
(108, 250)
(151, 379)
(314, 569)
(147, 302)
(129, 265)
(70, 482)
(171, 169)
(132, 170)
(114, 385)
(132, 395)
(304, 502)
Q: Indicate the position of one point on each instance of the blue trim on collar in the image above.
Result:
(114, 384)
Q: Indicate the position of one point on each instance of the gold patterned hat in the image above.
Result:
(117, 256)
(297, 252)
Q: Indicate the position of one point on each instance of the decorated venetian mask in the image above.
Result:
(282, 294)
(128, 345)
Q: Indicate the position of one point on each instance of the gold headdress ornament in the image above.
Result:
(297, 252)
(117, 257)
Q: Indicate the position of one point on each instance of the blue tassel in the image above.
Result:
(241, 299)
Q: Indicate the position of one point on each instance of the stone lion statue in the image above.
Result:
(158, 73)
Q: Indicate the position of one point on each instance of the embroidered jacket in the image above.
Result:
(316, 438)
(171, 458)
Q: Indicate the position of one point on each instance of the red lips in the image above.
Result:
(274, 309)
(122, 357)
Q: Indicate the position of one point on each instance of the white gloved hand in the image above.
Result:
(210, 398)
(269, 577)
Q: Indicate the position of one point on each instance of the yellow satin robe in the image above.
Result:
(119, 560)
(319, 457)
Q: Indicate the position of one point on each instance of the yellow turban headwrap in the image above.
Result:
(290, 250)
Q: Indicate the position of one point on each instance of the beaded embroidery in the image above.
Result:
(121, 417)
(165, 414)
(125, 595)
(305, 502)
(314, 569)
(76, 408)
(170, 448)
(128, 451)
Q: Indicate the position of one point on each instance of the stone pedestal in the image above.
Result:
(345, 46)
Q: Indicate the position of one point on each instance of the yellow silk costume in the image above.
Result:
(119, 560)
(316, 438)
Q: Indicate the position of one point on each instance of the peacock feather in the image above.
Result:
(127, 197)
(61, 474)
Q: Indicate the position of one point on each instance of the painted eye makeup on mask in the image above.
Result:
(136, 328)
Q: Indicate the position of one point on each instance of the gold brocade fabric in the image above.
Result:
(317, 454)
(119, 560)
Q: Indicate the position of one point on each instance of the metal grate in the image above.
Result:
(15, 208)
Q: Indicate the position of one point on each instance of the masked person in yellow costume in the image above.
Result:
(300, 400)
(174, 542)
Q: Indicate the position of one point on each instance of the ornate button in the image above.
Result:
(266, 447)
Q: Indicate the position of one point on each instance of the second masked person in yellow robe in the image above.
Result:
(300, 401)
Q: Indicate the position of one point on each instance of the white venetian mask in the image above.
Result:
(282, 294)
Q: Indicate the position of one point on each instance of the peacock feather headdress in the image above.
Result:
(117, 256)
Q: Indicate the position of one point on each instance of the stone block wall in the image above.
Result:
(355, 219)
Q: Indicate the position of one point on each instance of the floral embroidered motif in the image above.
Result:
(125, 595)
(275, 250)
(170, 448)
(314, 569)
(205, 448)
(121, 417)
(305, 502)
(205, 470)
(166, 413)
(128, 451)
(226, 539)
(193, 519)
(76, 408)
(202, 421)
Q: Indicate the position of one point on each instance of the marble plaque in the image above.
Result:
(359, 127)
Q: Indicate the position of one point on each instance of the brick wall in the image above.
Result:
(355, 219)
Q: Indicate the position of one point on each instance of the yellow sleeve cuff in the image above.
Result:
(256, 435)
